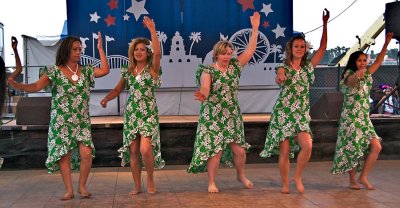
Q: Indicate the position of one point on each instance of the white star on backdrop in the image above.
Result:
(279, 31)
(94, 17)
(126, 17)
(266, 9)
(137, 8)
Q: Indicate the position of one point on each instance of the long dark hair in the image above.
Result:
(352, 62)
(65, 49)
(288, 51)
(2, 84)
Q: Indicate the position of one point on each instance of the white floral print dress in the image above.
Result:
(70, 118)
(291, 113)
(355, 126)
(141, 114)
(220, 121)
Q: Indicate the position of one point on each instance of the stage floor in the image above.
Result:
(176, 188)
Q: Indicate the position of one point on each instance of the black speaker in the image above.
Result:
(33, 111)
(392, 18)
(329, 106)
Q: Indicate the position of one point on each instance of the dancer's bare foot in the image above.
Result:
(299, 185)
(246, 182)
(366, 183)
(354, 186)
(135, 192)
(84, 193)
(212, 188)
(285, 189)
(151, 189)
(67, 196)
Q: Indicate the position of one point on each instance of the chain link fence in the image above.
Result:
(327, 80)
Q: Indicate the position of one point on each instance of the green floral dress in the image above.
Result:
(291, 113)
(355, 127)
(220, 120)
(69, 119)
(141, 114)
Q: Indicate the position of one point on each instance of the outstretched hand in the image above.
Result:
(360, 73)
(325, 15)
(104, 102)
(11, 81)
(255, 20)
(14, 42)
(149, 23)
(280, 78)
(199, 96)
(99, 41)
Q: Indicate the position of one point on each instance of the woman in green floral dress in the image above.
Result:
(220, 128)
(69, 140)
(13, 75)
(357, 140)
(141, 142)
(289, 126)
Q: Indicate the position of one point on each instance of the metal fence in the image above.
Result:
(327, 80)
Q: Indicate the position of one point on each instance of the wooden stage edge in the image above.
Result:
(8, 125)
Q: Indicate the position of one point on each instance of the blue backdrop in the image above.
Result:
(189, 26)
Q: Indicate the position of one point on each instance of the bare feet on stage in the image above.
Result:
(212, 188)
(84, 193)
(366, 183)
(151, 189)
(246, 182)
(354, 186)
(136, 190)
(67, 196)
(299, 185)
(285, 189)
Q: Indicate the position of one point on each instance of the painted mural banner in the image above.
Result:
(187, 30)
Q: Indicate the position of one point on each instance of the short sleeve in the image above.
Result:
(346, 75)
(157, 82)
(282, 66)
(124, 72)
(50, 71)
(237, 67)
(310, 72)
(199, 71)
(90, 75)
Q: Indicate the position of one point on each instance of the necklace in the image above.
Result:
(216, 64)
(298, 68)
(138, 75)
(74, 77)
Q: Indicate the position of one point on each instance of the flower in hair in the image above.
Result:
(150, 46)
(308, 46)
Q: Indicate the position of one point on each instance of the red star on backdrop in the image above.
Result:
(110, 20)
(113, 4)
(246, 4)
(265, 24)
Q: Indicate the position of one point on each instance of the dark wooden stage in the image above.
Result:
(25, 146)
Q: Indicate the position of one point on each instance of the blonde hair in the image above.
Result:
(131, 50)
(220, 47)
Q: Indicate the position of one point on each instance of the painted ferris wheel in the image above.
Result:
(241, 39)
